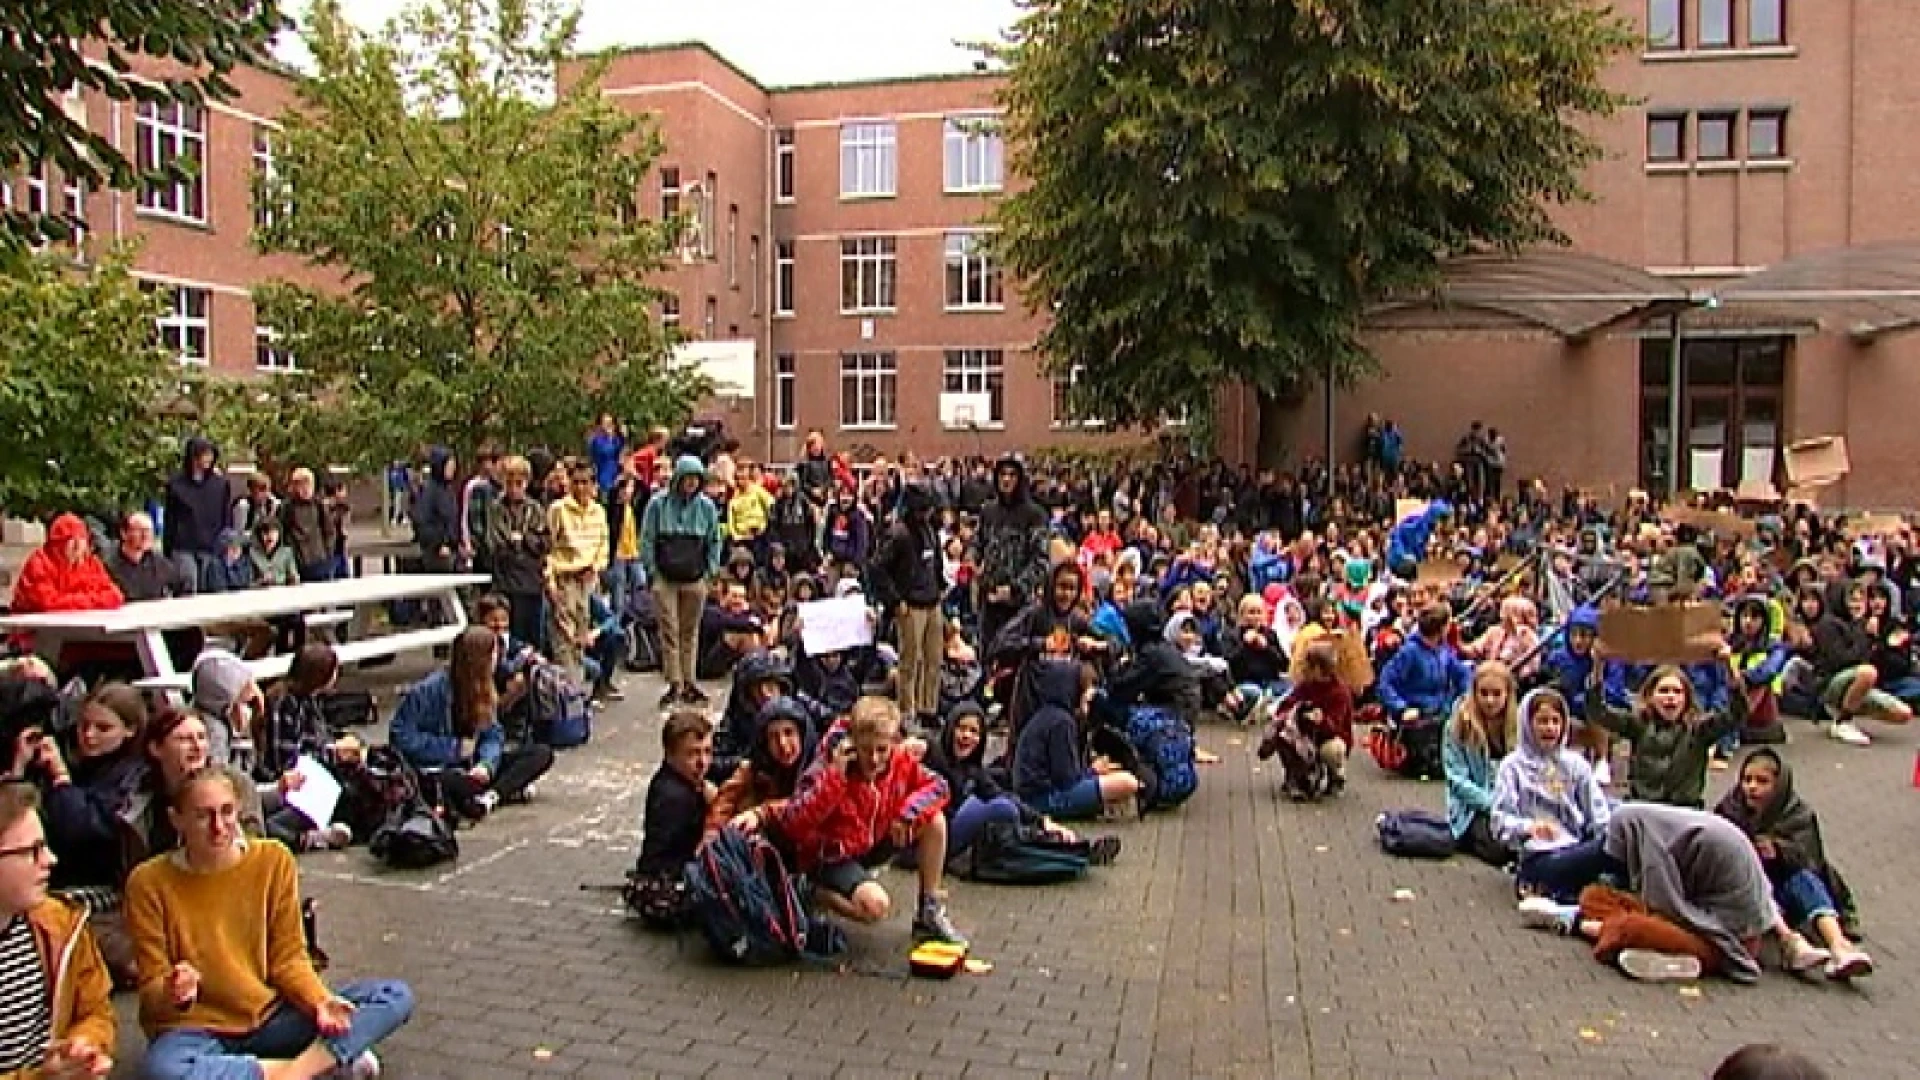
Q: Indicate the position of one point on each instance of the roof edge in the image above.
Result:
(615, 51)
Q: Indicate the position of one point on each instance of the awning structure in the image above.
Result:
(1867, 291)
(1570, 293)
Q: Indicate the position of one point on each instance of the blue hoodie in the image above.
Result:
(1047, 758)
(1536, 783)
(1423, 676)
(1266, 568)
(422, 729)
(1408, 541)
(1568, 671)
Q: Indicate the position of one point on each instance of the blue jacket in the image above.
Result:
(422, 729)
(1110, 623)
(1268, 568)
(1047, 758)
(1425, 677)
(1408, 541)
(1470, 774)
(1569, 672)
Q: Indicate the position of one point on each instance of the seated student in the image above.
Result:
(1426, 676)
(446, 724)
(1206, 616)
(606, 644)
(1109, 622)
(777, 751)
(678, 797)
(1569, 669)
(1483, 728)
(1312, 728)
(1053, 626)
(1786, 835)
(729, 629)
(1671, 734)
(1514, 640)
(56, 1009)
(855, 809)
(1760, 657)
(1156, 673)
(89, 816)
(1547, 806)
(1050, 768)
(296, 727)
(273, 562)
(226, 985)
(1183, 633)
(233, 711)
(1841, 652)
(1253, 654)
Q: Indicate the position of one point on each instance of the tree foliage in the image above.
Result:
(485, 219)
(1219, 188)
(43, 52)
(80, 373)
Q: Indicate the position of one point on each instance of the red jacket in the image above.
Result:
(835, 816)
(1335, 703)
(49, 582)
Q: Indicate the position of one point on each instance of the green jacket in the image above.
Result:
(669, 514)
(1669, 761)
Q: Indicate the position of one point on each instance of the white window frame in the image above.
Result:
(1068, 421)
(733, 247)
(164, 133)
(875, 372)
(179, 325)
(869, 159)
(266, 172)
(971, 279)
(974, 157)
(976, 371)
(786, 277)
(37, 190)
(786, 162)
(873, 261)
(710, 319)
(269, 355)
(786, 392)
(73, 205)
(670, 310)
(670, 205)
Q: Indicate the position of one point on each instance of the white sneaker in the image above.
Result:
(339, 835)
(1649, 966)
(1541, 913)
(1847, 966)
(1603, 773)
(1844, 731)
(364, 1067)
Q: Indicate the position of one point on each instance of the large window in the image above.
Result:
(1664, 27)
(1766, 135)
(979, 371)
(1716, 24)
(867, 274)
(1713, 137)
(783, 165)
(1667, 138)
(184, 327)
(1766, 22)
(168, 136)
(1730, 411)
(786, 386)
(669, 193)
(975, 154)
(868, 385)
(868, 159)
(1065, 414)
(973, 281)
(267, 201)
(268, 353)
(783, 270)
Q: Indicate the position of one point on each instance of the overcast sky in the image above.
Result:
(781, 42)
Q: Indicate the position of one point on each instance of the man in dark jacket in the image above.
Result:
(308, 528)
(139, 571)
(436, 513)
(908, 583)
(794, 522)
(1013, 549)
(196, 509)
(516, 536)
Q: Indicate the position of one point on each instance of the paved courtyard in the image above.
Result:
(1242, 936)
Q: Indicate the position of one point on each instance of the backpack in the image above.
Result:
(1016, 854)
(559, 711)
(1163, 742)
(1414, 834)
(748, 906)
(412, 835)
(660, 901)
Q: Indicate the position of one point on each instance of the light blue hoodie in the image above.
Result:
(1537, 783)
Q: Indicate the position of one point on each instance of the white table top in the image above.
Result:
(215, 608)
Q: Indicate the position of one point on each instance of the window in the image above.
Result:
(167, 136)
(786, 384)
(867, 159)
(1064, 413)
(783, 264)
(783, 165)
(184, 324)
(733, 247)
(867, 386)
(980, 371)
(973, 281)
(37, 191)
(709, 199)
(1714, 137)
(669, 193)
(866, 273)
(1664, 28)
(1766, 135)
(975, 155)
(710, 321)
(753, 274)
(1766, 22)
(268, 353)
(1716, 24)
(670, 310)
(267, 202)
(73, 204)
(1666, 138)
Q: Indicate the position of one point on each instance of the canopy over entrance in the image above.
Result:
(1568, 292)
(1865, 291)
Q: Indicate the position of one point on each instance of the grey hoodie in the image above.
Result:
(1699, 870)
(1536, 783)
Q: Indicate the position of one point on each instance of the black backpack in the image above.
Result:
(1414, 834)
(1018, 854)
(412, 834)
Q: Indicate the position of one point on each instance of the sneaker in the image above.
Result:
(1336, 783)
(612, 692)
(692, 695)
(1844, 731)
(1850, 965)
(671, 698)
(1102, 850)
(1801, 956)
(1541, 913)
(930, 923)
(526, 794)
(1268, 747)
(1603, 773)
(364, 1067)
(338, 835)
(485, 803)
(1649, 966)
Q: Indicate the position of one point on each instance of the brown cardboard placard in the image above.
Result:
(1669, 634)
(1441, 571)
(1757, 491)
(1718, 522)
(1406, 508)
(1817, 462)
(1877, 525)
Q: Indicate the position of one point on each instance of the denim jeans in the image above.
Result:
(603, 658)
(621, 579)
(1561, 874)
(380, 1007)
(975, 815)
(1803, 898)
(1081, 802)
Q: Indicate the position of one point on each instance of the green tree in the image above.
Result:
(485, 218)
(43, 52)
(80, 373)
(1217, 189)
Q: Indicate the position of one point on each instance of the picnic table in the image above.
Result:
(144, 624)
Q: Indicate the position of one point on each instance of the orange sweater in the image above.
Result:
(239, 927)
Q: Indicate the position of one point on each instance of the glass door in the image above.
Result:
(1708, 417)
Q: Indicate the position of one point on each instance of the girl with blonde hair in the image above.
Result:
(1478, 735)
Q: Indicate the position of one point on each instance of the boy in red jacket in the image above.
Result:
(865, 800)
(1313, 727)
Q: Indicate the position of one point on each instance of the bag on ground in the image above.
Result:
(559, 710)
(749, 907)
(1165, 744)
(1006, 853)
(411, 835)
(1414, 834)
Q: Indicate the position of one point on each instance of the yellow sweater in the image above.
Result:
(579, 537)
(239, 927)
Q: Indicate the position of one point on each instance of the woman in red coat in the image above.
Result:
(64, 575)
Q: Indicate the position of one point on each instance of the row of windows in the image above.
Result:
(1715, 135)
(974, 158)
(1712, 25)
(870, 388)
(870, 277)
(174, 134)
(185, 329)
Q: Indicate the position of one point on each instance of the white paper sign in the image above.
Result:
(317, 794)
(828, 626)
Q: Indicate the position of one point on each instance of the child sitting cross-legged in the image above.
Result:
(1548, 806)
(865, 800)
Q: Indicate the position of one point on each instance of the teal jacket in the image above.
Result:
(669, 514)
(1470, 774)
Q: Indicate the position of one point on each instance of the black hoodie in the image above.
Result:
(907, 569)
(1048, 756)
(196, 510)
(1013, 539)
(436, 513)
(966, 777)
(1157, 674)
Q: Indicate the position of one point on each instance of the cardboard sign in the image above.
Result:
(1877, 525)
(1757, 491)
(1670, 634)
(1442, 572)
(1717, 522)
(1406, 508)
(1351, 660)
(1817, 462)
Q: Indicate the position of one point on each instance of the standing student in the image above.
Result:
(196, 511)
(436, 513)
(907, 582)
(307, 527)
(577, 525)
(624, 575)
(518, 542)
(680, 544)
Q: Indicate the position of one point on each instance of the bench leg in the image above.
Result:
(154, 656)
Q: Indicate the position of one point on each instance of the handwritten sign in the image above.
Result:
(830, 626)
(317, 794)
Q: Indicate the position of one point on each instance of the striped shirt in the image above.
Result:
(26, 1019)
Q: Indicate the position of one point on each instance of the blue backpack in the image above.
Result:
(750, 909)
(1164, 744)
(1414, 834)
(561, 712)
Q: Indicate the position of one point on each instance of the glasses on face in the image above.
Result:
(34, 852)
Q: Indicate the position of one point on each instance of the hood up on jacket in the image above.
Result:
(1021, 490)
(782, 778)
(438, 458)
(1145, 622)
(684, 466)
(195, 446)
(960, 711)
(1056, 683)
